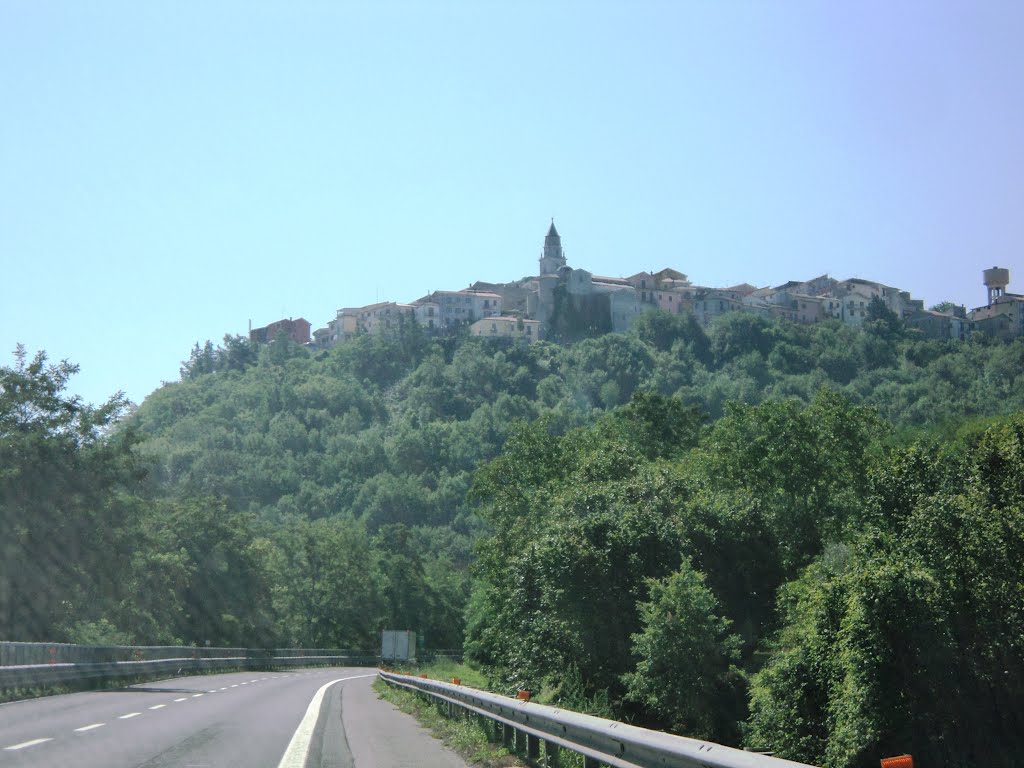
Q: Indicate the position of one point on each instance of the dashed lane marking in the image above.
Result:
(129, 715)
(196, 695)
(26, 744)
(183, 698)
(85, 728)
(158, 706)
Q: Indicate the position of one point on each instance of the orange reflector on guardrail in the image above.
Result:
(424, 675)
(523, 695)
(457, 680)
(900, 761)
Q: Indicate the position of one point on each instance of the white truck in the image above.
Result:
(398, 645)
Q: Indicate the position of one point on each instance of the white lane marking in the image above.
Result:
(85, 728)
(196, 695)
(298, 748)
(254, 681)
(223, 689)
(24, 744)
(129, 715)
(183, 698)
(158, 706)
(234, 686)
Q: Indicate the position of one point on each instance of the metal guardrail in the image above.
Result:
(527, 727)
(12, 653)
(92, 663)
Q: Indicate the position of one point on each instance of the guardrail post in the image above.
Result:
(532, 748)
(507, 736)
(551, 751)
(520, 741)
(590, 762)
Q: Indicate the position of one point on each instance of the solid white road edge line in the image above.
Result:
(298, 748)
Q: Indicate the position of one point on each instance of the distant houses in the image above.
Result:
(562, 302)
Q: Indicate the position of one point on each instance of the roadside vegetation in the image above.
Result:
(797, 538)
(467, 736)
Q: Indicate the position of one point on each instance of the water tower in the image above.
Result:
(996, 280)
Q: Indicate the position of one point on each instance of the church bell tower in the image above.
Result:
(553, 258)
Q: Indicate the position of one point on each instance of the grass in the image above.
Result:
(466, 736)
(19, 694)
(470, 739)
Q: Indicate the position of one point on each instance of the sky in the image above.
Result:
(172, 171)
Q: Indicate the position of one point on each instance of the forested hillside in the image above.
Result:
(788, 578)
(793, 537)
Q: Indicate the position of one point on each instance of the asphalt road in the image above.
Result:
(233, 720)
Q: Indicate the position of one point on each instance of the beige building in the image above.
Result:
(503, 327)
(667, 290)
(382, 317)
(465, 306)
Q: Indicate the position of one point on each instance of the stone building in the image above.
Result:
(296, 330)
(1003, 316)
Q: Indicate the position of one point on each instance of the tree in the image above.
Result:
(686, 672)
(738, 333)
(911, 639)
(326, 584)
(946, 307)
(201, 361)
(660, 426)
(882, 321)
(237, 354)
(61, 475)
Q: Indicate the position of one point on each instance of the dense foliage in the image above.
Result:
(793, 537)
(786, 578)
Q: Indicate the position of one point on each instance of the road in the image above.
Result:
(233, 720)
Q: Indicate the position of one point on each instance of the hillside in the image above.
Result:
(747, 477)
(389, 430)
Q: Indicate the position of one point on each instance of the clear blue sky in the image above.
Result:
(169, 171)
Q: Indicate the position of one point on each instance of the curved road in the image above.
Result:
(238, 719)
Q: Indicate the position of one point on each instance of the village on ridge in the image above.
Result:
(525, 309)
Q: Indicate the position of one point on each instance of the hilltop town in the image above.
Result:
(562, 303)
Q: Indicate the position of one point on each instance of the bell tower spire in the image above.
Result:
(553, 257)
